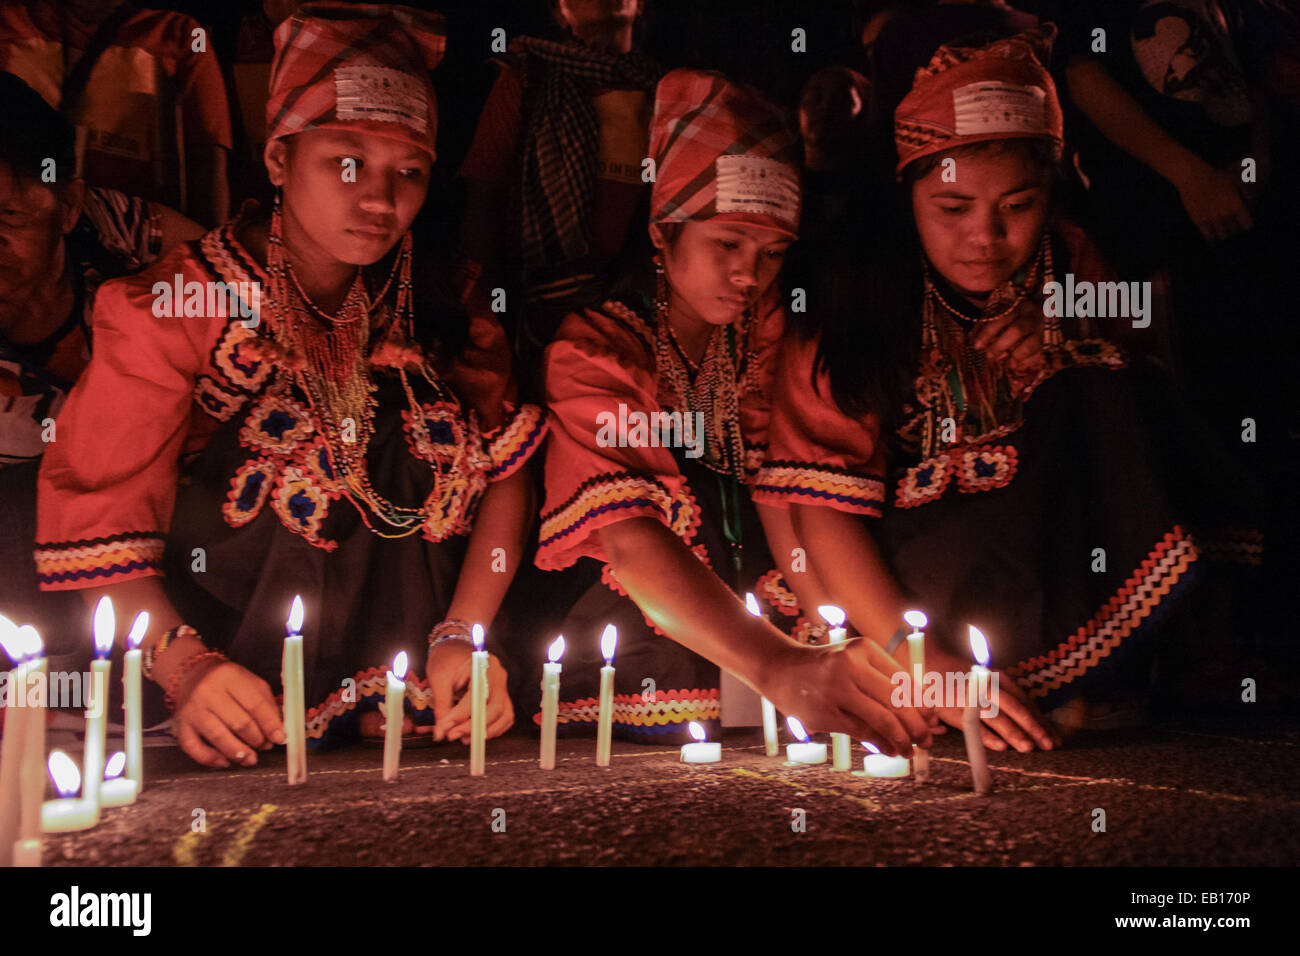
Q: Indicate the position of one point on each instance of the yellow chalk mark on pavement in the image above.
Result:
(865, 802)
(185, 850)
(244, 838)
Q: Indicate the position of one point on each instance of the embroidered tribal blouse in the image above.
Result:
(820, 455)
(158, 388)
(602, 359)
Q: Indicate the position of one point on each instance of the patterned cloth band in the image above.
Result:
(344, 66)
(973, 95)
(722, 152)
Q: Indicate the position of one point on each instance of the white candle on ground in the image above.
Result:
(701, 751)
(67, 812)
(841, 745)
(394, 715)
(478, 704)
(550, 701)
(876, 764)
(101, 667)
(916, 653)
(770, 743)
(605, 718)
(13, 746)
(116, 790)
(134, 732)
(804, 751)
(27, 851)
(976, 685)
(295, 701)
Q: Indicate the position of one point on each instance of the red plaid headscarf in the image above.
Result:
(972, 95)
(344, 66)
(723, 152)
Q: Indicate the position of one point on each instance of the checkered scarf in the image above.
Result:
(560, 141)
(338, 65)
(722, 151)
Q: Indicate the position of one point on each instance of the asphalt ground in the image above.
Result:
(1173, 795)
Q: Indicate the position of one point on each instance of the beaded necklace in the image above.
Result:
(956, 380)
(328, 364)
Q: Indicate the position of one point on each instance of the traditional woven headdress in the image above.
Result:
(972, 95)
(344, 66)
(723, 152)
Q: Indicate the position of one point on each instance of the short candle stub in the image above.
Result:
(700, 751)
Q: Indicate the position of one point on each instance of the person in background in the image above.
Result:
(59, 240)
(554, 183)
(143, 88)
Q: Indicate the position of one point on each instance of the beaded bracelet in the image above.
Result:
(450, 630)
(155, 650)
(186, 666)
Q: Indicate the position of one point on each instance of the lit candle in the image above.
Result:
(67, 812)
(876, 764)
(701, 751)
(478, 704)
(916, 653)
(770, 743)
(841, 746)
(551, 701)
(105, 626)
(13, 746)
(116, 790)
(27, 851)
(394, 715)
(295, 701)
(804, 751)
(976, 689)
(131, 692)
(605, 720)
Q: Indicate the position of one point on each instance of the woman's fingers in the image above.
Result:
(215, 731)
(193, 745)
(254, 695)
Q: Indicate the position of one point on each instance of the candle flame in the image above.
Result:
(751, 604)
(916, 619)
(399, 665)
(67, 778)
(697, 731)
(31, 645)
(556, 650)
(116, 764)
(11, 642)
(104, 627)
(138, 629)
(295, 616)
(832, 614)
(979, 646)
(476, 632)
(796, 728)
(608, 641)
(870, 746)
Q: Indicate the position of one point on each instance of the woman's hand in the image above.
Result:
(1214, 201)
(226, 713)
(1018, 722)
(842, 688)
(449, 669)
(1016, 337)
